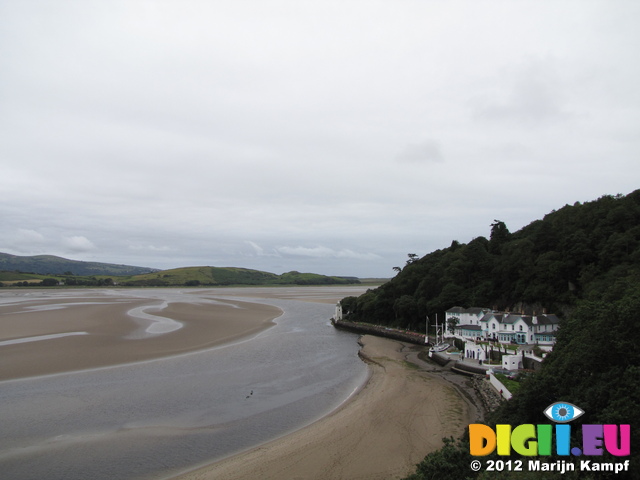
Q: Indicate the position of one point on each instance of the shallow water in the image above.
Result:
(156, 418)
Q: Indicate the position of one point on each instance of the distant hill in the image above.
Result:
(193, 276)
(52, 265)
(33, 270)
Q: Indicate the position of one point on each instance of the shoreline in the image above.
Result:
(41, 336)
(381, 431)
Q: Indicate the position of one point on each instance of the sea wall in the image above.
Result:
(380, 331)
(466, 369)
(440, 358)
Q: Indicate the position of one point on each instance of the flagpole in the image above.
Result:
(426, 337)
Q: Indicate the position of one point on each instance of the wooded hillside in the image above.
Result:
(584, 259)
(584, 251)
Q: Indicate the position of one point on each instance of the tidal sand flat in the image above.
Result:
(382, 432)
(41, 333)
(171, 413)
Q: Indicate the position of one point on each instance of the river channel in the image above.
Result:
(154, 419)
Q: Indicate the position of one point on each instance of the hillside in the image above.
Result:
(52, 265)
(187, 276)
(192, 276)
(587, 251)
(581, 261)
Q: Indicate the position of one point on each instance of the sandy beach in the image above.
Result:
(101, 332)
(400, 415)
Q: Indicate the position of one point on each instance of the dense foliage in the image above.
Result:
(584, 259)
(584, 251)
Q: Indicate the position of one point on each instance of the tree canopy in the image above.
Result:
(583, 260)
(587, 251)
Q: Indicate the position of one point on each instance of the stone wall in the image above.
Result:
(380, 331)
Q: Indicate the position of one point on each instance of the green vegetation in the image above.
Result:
(52, 265)
(584, 251)
(512, 385)
(193, 276)
(188, 276)
(583, 261)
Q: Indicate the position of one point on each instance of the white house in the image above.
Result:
(474, 351)
(511, 362)
(506, 327)
(466, 316)
(467, 321)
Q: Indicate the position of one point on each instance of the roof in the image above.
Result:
(477, 310)
(490, 315)
(510, 318)
(471, 310)
(476, 328)
(546, 334)
(548, 320)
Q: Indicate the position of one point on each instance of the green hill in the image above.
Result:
(52, 265)
(28, 271)
(192, 276)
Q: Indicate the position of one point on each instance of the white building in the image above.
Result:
(338, 313)
(504, 327)
(512, 362)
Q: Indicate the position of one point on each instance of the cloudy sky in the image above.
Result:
(327, 136)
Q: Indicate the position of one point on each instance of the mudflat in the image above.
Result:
(44, 333)
(400, 415)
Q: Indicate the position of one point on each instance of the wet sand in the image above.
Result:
(400, 415)
(316, 294)
(103, 334)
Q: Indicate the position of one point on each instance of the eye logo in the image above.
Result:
(563, 412)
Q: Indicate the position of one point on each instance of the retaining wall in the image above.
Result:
(368, 328)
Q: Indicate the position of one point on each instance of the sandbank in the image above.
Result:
(100, 332)
(310, 293)
(399, 416)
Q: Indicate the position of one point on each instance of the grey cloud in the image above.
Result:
(78, 244)
(281, 137)
(530, 93)
(325, 252)
(423, 152)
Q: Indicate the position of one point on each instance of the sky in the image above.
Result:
(333, 137)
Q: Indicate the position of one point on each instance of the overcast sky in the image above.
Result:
(323, 136)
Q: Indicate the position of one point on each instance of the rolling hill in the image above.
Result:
(193, 276)
(52, 265)
(23, 271)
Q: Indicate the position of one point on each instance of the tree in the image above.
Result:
(499, 236)
(406, 310)
(451, 324)
(451, 462)
(412, 258)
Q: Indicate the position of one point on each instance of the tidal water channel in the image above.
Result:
(154, 419)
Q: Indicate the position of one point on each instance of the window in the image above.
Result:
(520, 327)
